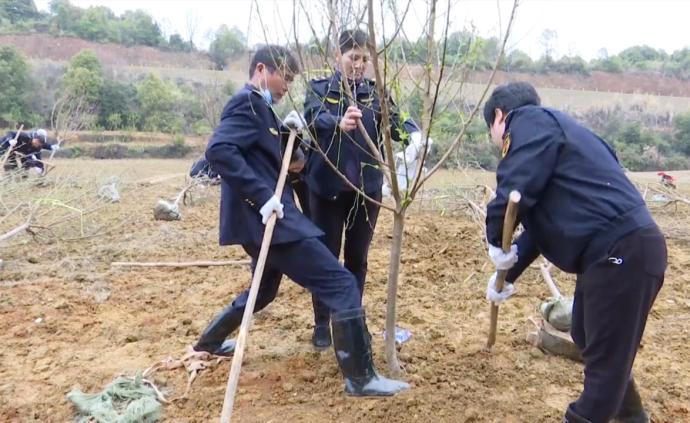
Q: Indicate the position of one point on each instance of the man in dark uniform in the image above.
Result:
(26, 149)
(246, 149)
(580, 212)
(332, 123)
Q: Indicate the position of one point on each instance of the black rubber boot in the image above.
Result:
(353, 351)
(321, 339)
(213, 338)
(572, 417)
(631, 410)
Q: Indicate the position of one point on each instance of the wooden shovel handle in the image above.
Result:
(9, 150)
(508, 229)
(234, 377)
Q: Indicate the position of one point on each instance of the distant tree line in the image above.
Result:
(465, 47)
(640, 147)
(100, 24)
(137, 27)
(97, 23)
(147, 103)
(150, 103)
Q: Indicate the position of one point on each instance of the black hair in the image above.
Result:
(508, 97)
(352, 38)
(274, 57)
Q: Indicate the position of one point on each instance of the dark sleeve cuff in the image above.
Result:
(262, 198)
(495, 212)
(297, 154)
(285, 135)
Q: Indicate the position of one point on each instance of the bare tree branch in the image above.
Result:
(71, 113)
(460, 136)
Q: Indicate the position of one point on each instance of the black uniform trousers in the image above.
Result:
(357, 217)
(612, 300)
(309, 263)
(27, 162)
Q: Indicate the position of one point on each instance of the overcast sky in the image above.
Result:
(583, 27)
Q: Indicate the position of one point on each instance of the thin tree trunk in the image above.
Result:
(393, 273)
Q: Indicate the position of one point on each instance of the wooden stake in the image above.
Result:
(179, 264)
(9, 150)
(14, 232)
(234, 377)
(508, 228)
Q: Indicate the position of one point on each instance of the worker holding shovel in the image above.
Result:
(580, 212)
(25, 148)
(246, 151)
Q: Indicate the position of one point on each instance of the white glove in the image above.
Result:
(13, 142)
(272, 205)
(37, 170)
(33, 157)
(503, 261)
(294, 121)
(416, 138)
(498, 297)
(54, 147)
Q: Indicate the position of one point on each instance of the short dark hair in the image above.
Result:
(352, 38)
(274, 57)
(508, 97)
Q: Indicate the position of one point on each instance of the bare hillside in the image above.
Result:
(630, 83)
(61, 49)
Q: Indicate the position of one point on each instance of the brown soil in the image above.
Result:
(98, 323)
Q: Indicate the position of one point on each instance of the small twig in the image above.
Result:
(19, 229)
(478, 209)
(52, 152)
(10, 212)
(157, 179)
(159, 394)
(180, 264)
(181, 195)
(671, 196)
(192, 361)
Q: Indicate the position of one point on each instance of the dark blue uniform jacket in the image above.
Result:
(576, 199)
(246, 150)
(23, 143)
(324, 105)
(25, 148)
